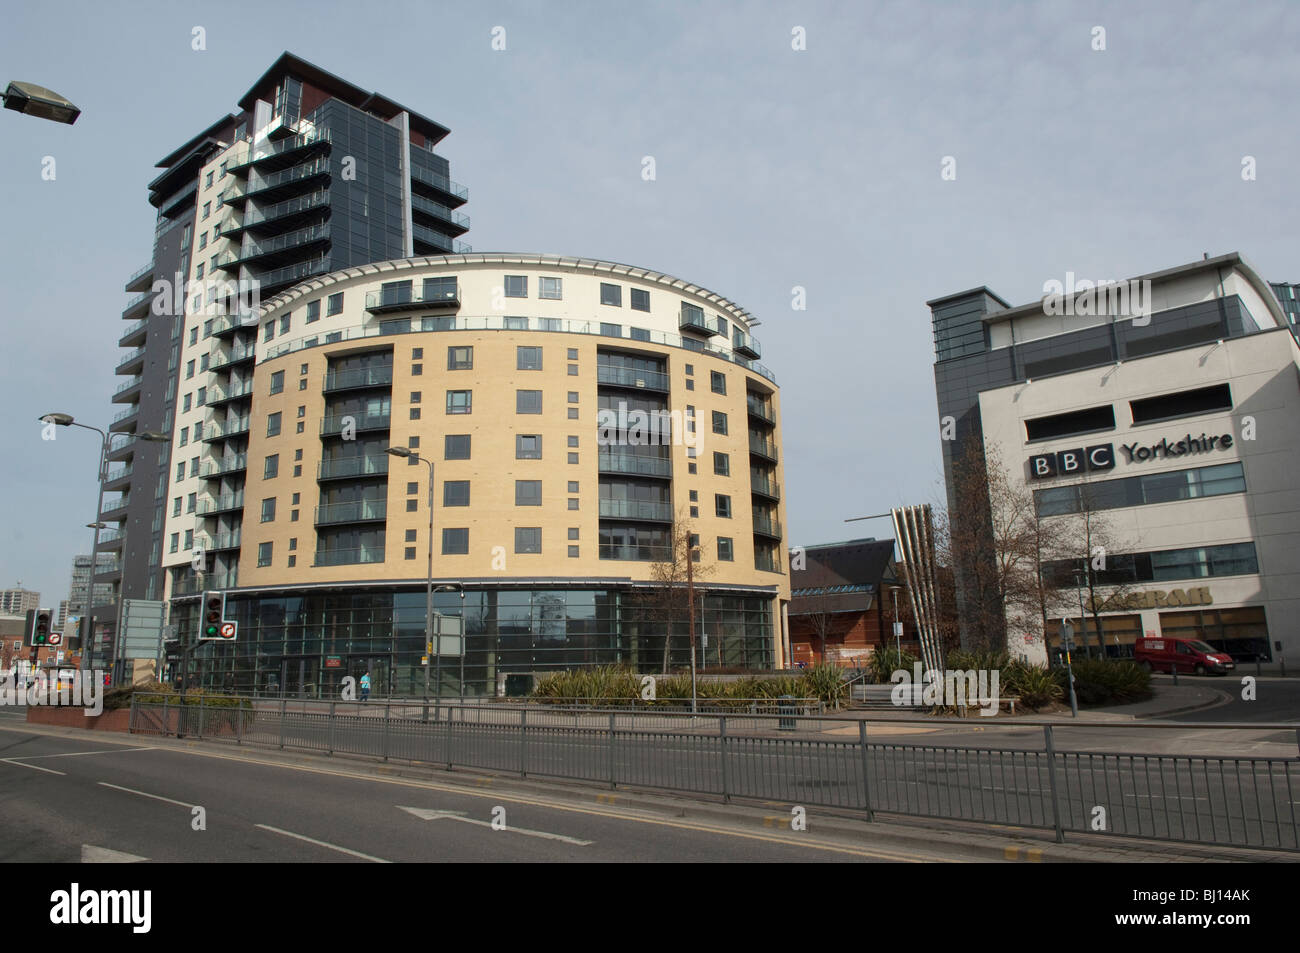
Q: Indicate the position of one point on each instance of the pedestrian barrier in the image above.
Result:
(1245, 801)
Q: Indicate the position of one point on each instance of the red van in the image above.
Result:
(1183, 655)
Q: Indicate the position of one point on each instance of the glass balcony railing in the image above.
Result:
(443, 243)
(763, 448)
(223, 541)
(133, 331)
(218, 395)
(767, 562)
(269, 150)
(222, 504)
(636, 510)
(115, 475)
(295, 173)
(630, 377)
(747, 344)
(439, 182)
(226, 465)
(760, 409)
(631, 553)
(251, 250)
(337, 423)
(145, 271)
(293, 273)
(420, 204)
(349, 557)
(345, 467)
(135, 302)
(357, 511)
(225, 357)
(126, 385)
(766, 526)
(129, 412)
(764, 487)
(303, 203)
(362, 377)
(634, 464)
(403, 297)
(497, 322)
(135, 357)
(222, 431)
(114, 506)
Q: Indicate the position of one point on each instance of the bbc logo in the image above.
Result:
(1069, 462)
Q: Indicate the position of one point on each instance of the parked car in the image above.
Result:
(1183, 655)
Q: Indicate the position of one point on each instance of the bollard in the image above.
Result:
(787, 711)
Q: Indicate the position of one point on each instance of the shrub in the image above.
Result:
(824, 682)
(1106, 682)
(885, 661)
(1036, 686)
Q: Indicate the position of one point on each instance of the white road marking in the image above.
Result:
(77, 754)
(34, 767)
(321, 843)
(156, 797)
(102, 855)
(430, 815)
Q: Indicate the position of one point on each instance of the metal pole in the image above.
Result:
(1051, 780)
(898, 632)
(88, 650)
(690, 599)
(428, 595)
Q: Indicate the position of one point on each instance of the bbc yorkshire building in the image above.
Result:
(1179, 427)
(522, 379)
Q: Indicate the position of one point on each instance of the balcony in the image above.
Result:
(227, 324)
(221, 395)
(631, 378)
(115, 477)
(223, 541)
(284, 211)
(437, 242)
(767, 562)
(763, 448)
(634, 464)
(692, 319)
(115, 509)
(636, 510)
(345, 468)
(443, 188)
(349, 557)
(120, 396)
(141, 279)
(218, 469)
(441, 214)
(746, 344)
(632, 553)
(407, 299)
(360, 378)
(222, 504)
(123, 448)
(334, 425)
(110, 539)
(133, 363)
(764, 487)
(135, 334)
(272, 185)
(357, 511)
(760, 410)
(291, 274)
(225, 357)
(286, 247)
(137, 306)
(222, 431)
(766, 526)
(125, 420)
(266, 155)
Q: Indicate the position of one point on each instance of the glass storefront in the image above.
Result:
(305, 644)
(1242, 633)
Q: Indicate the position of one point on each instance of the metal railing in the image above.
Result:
(1224, 798)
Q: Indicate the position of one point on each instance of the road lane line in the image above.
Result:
(77, 754)
(34, 767)
(321, 843)
(435, 815)
(156, 797)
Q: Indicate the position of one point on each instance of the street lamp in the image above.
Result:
(898, 627)
(428, 599)
(67, 420)
(40, 102)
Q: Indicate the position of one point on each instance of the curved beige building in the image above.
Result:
(574, 412)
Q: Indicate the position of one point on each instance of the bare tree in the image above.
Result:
(673, 596)
(1091, 544)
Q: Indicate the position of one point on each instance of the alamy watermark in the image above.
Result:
(954, 688)
(1082, 296)
(63, 688)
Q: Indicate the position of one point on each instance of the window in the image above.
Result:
(695, 512)
(573, 413)
(611, 330)
(550, 288)
(185, 436)
(194, 336)
(186, 403)
(1092, 420)
(690, 384)
(191, 503)
(640, 300)
(528, 493)
(176, 505)
(203, 241)
(573, 440)
(1141, 490)
(417, 370)
(573, 353)
(726, 549)
(573, 503)
(695, 496)
(456, 446)
(415, 396)
(721, 464)
(410, 552)
(573, 552)
(297, 498)
(175, 543)
(207, 181)
(455, 542)
(313, 311)
(639, 334)
(412, 487)
(528, 358)
(528, 446)
(460, 358)
(718, 382)
(273, 425)
(573, 370)
(268, 510)
(334, 304)
(719, 422)
(573, 396)
(201, 399)
(516, 286)
(264, 554)
(189, 539)
(272, 467)
(573, 458)
(528, 539)
(573, 532)
(1188, 403)
(198, 271)
(194, 466)
(284, 326)
(460, 401)
(417, 353)
(690, 369)
(410, 535)
(528, 401)
(722, 505)
(611, 295)
(189, 369)
(415, 413)
(412, 505)
(455, 493)
(277, 382)
(268, 332)
(207, 210)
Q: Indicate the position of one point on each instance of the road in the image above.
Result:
(76, 799)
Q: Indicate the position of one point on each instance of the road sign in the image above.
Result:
(227, 630)
(55, 638)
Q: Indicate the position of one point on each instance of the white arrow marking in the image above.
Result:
(102, 855)
(430, 815)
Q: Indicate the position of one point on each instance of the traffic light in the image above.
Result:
(214, 613)
(213, 623)
(38, 627)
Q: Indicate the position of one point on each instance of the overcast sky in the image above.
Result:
(776, 168)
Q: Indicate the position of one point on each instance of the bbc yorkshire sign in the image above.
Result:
(1044, 466)
(1154, 599)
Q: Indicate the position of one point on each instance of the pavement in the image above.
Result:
(684, 827)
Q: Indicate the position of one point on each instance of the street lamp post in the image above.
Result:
(898, 627)
(33, 100)
(106, 439)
